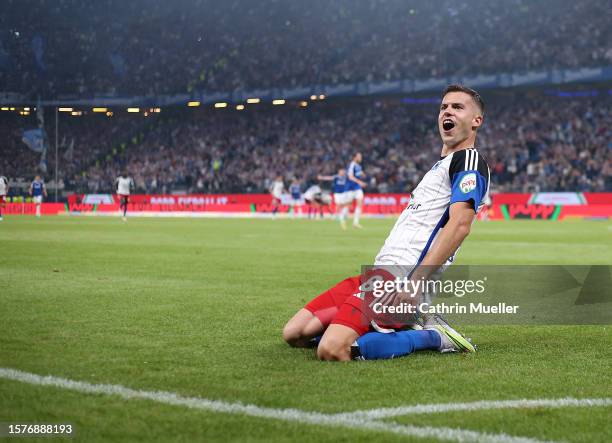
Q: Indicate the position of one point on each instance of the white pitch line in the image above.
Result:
(292, 415)
(376, 414)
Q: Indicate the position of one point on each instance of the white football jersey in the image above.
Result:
(311, 192)
(124, 185)
(3, 185)
(277, 189)
(460, 176)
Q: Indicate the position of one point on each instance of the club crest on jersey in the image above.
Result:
(468, 183)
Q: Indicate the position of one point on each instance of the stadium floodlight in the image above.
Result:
(313, 97)
(133, 109)
(64, 109)
(321, 97)
(193, 104)
(5, 108)
(279, 101)
(100, 110)
(26, 109)
(76, 113)
(157, 110)
(303, 104)
(221, 105)
(239, 107)
(253, 100)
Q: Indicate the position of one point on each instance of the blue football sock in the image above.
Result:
(376, 345)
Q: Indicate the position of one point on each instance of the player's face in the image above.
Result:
(459, 118)
(341, 172)
(358, 157)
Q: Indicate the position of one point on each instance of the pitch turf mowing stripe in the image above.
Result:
(375, 414)
(294, 415)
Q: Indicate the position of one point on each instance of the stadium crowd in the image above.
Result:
(67, 48)
(532, 144)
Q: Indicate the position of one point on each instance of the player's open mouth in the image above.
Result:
(448, 124)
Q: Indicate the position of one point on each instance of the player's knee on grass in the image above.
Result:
(336, 343)
(299, 331)
(292, 335)
(333, 351)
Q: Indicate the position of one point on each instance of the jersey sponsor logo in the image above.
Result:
(468, 183)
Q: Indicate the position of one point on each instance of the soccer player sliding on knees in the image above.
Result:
(425, 238)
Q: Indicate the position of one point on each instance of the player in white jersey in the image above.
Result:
(277, 189)
(124, 185)
(425, 238)
(4, 188)
(354, 187)
(316, 199)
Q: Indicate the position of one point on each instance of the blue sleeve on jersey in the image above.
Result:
(468, 186)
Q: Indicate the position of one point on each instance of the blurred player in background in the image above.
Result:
(339, 191)
(488, 202)
(316, 200)
(354, 187)
(277, 189)
(296, 195)
(124, 185)
(38, 190)
(4, 188)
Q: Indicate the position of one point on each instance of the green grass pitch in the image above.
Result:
(196, 307)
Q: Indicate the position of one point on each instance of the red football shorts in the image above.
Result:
(345, 304)
(337, 305)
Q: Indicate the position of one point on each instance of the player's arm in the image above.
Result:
(44, 190)
(325, 178)
(469, 176)
(31, 191)
(461, 215)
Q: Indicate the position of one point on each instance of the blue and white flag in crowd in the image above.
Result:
(34, 139)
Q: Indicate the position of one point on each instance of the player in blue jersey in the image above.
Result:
(295, 190)
(354, 187)
(343, 321)
(339, 190)
(38, 191)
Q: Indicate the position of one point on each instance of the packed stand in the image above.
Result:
(542, 144)
(66, 48)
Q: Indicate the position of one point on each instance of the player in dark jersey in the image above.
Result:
(38, 191)
(425, 238)
(295, 190)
